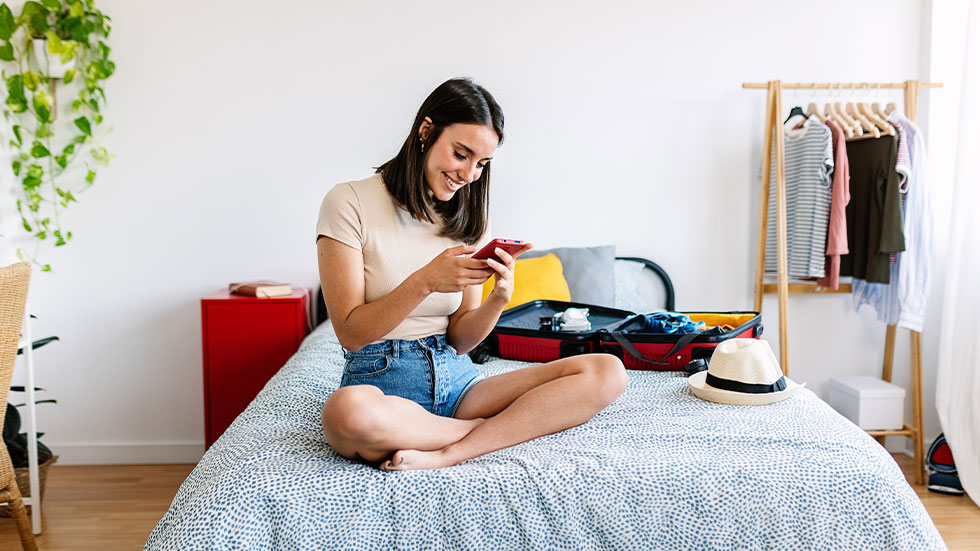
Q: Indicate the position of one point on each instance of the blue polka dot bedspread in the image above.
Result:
(657, 469)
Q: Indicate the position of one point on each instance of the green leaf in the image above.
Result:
(80, 139)
(61, 160)
(35, 171)
(100, 69)
(75, 105)
(77, 10)
(26, 225)
(69, 76)
(69, 53)
(7, 51)
(95, 104)
(68, 235)
(31, 80)
(16, 105)
(16, 166)
(42, 106)
(42, 235)
(44, 131)
(69, 149)
(15, 88)
(90, 177)
(77, 28)
(83, 125)
(46, 268)
(38, 150)
(31, 182)
(7, 23)
(101, 155)
(52, 4)
(36, 17)
(16, 130)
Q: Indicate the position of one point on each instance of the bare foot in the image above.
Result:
(407, 460)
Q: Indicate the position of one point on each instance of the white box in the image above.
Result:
(869, 402)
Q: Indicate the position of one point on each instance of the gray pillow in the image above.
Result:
(588, 271)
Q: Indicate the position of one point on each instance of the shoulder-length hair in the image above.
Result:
(464, 217)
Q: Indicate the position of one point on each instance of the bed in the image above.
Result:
(657, 469)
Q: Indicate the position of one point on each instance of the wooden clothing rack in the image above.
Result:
(773, 129)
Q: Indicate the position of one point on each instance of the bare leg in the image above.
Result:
(532, 402)
(362, 422)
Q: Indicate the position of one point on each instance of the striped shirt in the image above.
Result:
(809, 160)
(904, 301)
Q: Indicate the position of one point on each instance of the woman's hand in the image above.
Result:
(503, 287)
(451, 272)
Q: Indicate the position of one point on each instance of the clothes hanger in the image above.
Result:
(855, 126)
(868, 126)
(832, 113)
(872, 117)
(890, 108)
(852, 110)
(812, 110)
(876, 106)
(795, 111)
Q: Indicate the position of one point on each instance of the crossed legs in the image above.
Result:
(498, 412)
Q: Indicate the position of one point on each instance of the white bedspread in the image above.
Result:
(657, 469)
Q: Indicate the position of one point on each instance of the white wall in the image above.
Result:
(626, 124)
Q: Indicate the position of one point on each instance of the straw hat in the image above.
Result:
(743, 372)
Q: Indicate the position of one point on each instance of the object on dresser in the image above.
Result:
(262, 289)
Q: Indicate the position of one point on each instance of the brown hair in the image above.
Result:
(458, 100)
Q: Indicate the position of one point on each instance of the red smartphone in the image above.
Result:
(509, 245)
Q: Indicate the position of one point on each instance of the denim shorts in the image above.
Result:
(426, 371)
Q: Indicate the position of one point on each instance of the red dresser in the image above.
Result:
(246, 341)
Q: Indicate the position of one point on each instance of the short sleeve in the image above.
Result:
(340, 217)
(828, 153)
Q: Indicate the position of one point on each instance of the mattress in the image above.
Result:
(657, 469)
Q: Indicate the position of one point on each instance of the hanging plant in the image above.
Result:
(51, 41)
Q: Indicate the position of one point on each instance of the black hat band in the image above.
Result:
(745, 388)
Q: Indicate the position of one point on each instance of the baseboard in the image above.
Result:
(127, 453)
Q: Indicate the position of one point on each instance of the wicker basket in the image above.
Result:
(24, 482)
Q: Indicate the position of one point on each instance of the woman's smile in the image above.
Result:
(453, 185)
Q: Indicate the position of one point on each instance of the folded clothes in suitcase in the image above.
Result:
(639, 348)
(532, 332)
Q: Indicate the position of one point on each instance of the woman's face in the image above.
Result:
(457, 157)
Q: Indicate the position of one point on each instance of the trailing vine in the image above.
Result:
(45, 36)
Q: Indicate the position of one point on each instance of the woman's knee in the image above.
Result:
(352, 413)
(609, 376)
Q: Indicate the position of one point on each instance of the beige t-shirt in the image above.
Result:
(364, 216)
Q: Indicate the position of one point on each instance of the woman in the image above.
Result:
(404, 299)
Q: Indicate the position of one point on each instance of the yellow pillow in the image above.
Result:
(535, 279)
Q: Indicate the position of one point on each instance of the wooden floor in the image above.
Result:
(115, 507)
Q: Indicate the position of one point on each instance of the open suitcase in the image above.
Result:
(672, 352)
(519, 334)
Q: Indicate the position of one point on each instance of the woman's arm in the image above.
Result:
(472, 322)
(359, 323)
